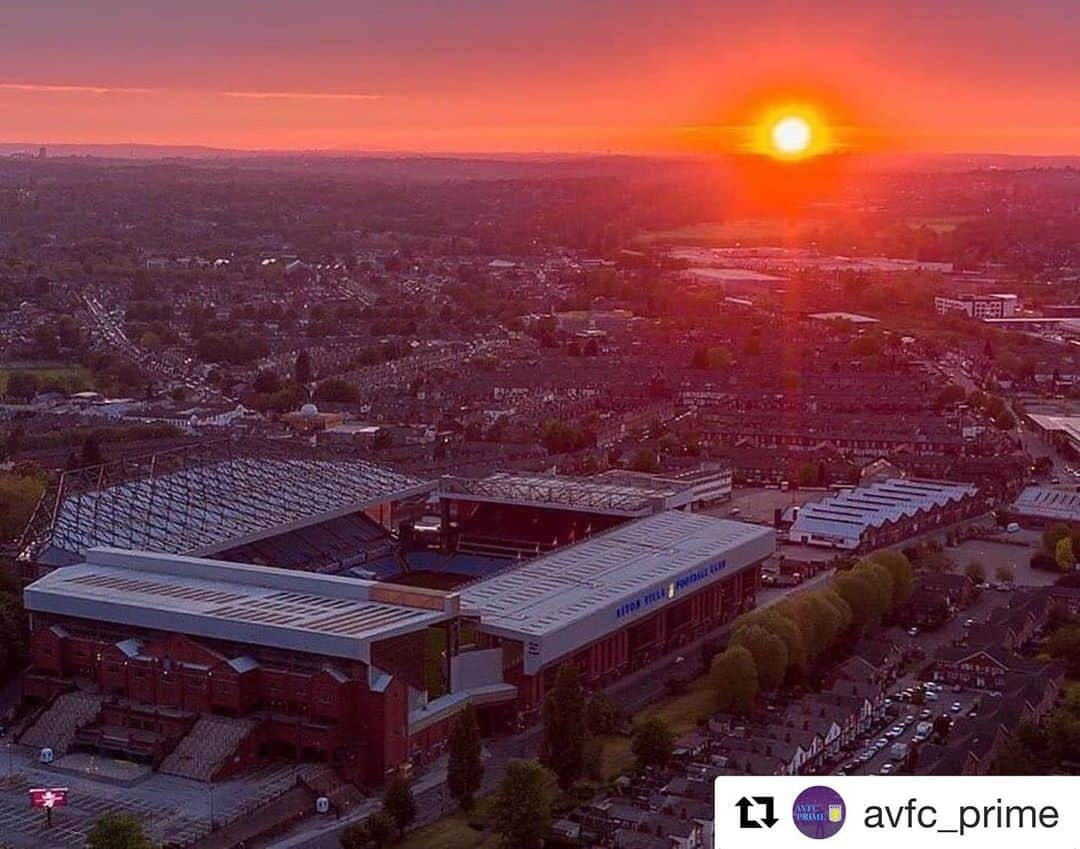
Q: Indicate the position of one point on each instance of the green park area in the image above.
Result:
(64, 377)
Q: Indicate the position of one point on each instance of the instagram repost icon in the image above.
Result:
(818, 812)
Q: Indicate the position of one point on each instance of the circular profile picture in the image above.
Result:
(819, 812)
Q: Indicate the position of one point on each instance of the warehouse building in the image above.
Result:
(885, 513)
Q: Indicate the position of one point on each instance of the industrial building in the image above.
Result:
(884, 513)
(977, 306)
(1046, 505)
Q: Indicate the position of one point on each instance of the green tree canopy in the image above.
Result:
(398, 803)
(770, 655)
(652, 743)
(901, 571)
(603, 715)
(734, 678)
(117, 831)
(521, 806)
(565, 731)
(465, 769)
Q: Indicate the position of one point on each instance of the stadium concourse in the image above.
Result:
(205, 634)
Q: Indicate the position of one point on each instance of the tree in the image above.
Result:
(302, 368)
(1052, 536)
(266, 382)
(1064, 555)
(734, 678)
(465, 770)
(398, 803)
(769, 652)
(373, 833)
(901, 571)
(1005, 574)
(565, 731)
(644, 460)
(603, 716)
(1043, 561)
(337, 390)
(117, 831)
(1005, 420)
(1064, 645)
(652, 743)
(521, 806)
(976, 572)
(868, 590)
(19, 495)
(22, 385)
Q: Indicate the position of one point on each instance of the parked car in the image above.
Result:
(887, 769)
(956, 707)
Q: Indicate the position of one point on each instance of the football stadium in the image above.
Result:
(210, 610)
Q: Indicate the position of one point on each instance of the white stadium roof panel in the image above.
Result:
(579, 594)
(246, 604)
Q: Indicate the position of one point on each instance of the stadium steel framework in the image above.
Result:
(630, 500)
(203, 498)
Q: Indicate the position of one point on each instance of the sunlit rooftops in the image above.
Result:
(237, 603)
(595, 577)
(208, 507)
(637, 497)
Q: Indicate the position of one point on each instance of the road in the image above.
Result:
(929, 642)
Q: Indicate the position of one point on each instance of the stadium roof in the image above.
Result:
(849, 515)
(578, 594)
(240, 603)
(637, 497)
(211, 504)
(1046, 502)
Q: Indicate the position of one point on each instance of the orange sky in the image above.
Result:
(631, 76)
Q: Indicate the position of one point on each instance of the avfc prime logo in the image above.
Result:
(819, 812)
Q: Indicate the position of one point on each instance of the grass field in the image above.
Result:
(680, 713)
(71, 378)
(453, 832)
(778, 231)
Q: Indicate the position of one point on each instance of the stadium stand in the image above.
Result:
(56, 727)
(205, 748)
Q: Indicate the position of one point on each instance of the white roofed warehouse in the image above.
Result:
(885, 513)
(618, 600)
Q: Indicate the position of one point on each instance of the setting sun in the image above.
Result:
(791, 136)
